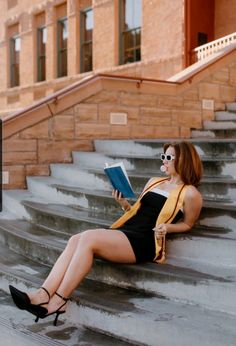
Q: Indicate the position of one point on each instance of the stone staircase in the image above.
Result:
(189, 300)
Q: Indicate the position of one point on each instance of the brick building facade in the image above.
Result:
(48, 44)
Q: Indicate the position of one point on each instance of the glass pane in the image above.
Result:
(63, 63)
(87, 57)
(17, 44)
(41, 41)
(88, 25)
(41, 69)
(62, 33)
(131, 14)
(131, 46)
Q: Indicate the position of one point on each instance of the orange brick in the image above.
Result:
(142, 131)
(167, 132)
(227, 93)
(32, 170)
(209, 91)
(19, 157)
(87, 113)
(85, 131)
(191, 94)
(40, 130)
(56, 151)
(63, 127)
(120, 131)
(185, 132)
(221, 76)
(132, 99)
(171, 101)
(155, 116)
(187, 118)
(19, 145)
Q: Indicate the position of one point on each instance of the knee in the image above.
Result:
(88, 239)
(74, 240)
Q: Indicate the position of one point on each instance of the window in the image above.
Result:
(62, 35)
(41, 53)
(14, 61)
(86, 40)
(130, 33)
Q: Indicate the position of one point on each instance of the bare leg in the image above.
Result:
(107, 244)
(57, 273)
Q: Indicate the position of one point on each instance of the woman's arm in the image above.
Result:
(122, 201)
(192, 208)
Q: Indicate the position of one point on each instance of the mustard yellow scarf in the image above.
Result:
(172, 205)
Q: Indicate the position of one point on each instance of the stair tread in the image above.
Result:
(137, 174)
(118, 157)
(24, 229)
(130, 307)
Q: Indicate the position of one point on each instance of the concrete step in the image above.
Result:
(219, 125)
(220, 148)
(231, 106)
(70, 221)
(19, 326)
(103, 307)
(214, 134)
(55, 189)
(99, 209)
(97, 180)
(225, 116)
(151, 165)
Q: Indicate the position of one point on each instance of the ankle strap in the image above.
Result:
(43, 288)
(63, 298)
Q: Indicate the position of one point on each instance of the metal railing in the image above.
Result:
(212, 47)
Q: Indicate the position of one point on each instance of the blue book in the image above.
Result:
(119, 179)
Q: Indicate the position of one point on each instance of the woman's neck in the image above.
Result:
(175, 180)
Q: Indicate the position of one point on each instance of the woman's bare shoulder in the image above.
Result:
(193, 193)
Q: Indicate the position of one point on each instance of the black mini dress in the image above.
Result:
(139, 229)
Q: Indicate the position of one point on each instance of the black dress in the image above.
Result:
(139, 229)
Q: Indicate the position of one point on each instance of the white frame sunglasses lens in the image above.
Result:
(167, 157)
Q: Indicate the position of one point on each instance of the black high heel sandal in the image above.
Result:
(57, 312)
(22, 301)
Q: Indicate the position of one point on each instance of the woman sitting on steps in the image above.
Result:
(167, 205)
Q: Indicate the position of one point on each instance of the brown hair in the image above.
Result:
(187, 162)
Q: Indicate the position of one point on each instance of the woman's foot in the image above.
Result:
(39, 297)
(56, 303)
(33, 302)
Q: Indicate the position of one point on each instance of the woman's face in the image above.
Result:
(169, 161)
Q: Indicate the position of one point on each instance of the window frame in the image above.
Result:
(60, 50)
(83, 43)
(39, 56)
(121, 35)
(13, 81)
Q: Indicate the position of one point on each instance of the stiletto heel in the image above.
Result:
(22, 301)
(58, 312)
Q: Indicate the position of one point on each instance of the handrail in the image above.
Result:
(212, 47)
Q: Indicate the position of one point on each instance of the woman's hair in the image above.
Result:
(187, 162)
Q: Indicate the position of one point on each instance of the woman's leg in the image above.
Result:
(108, 244)
(57, 273)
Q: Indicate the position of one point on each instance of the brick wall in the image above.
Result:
(225, 17)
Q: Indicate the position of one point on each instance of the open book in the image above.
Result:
(119, 179)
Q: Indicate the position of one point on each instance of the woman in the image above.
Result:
(167, 205)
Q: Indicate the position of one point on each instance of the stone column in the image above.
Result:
(73, 56)
(51, 44)
(105, 22)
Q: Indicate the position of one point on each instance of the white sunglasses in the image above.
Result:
(165, 157)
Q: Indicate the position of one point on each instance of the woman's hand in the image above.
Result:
(122, 201)
(161, 230)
